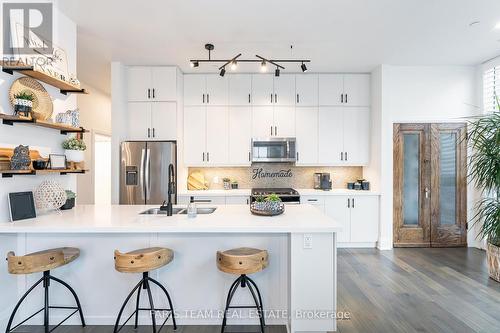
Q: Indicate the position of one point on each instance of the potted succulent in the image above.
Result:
(484, 141)
(23, 103)
(70, 200)
(74, 149)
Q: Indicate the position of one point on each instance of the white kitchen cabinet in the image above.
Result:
(337, 208)
(262, 121)
(306, 88)
(194, 89)
(240, 89)
(217, 90)
(217, 135)
(284, 121)
(356, 125)
(284, 90)
(237, 200)
(331, 89)
(151, 83)
(357, 89)
(364, 219)
(331, 137)
(240, 135)
(195, 126)
(201, 200)
(152, 121)
(262, 89)
(306, 133)
(203, 89)
(318, 201)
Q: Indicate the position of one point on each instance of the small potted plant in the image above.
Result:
(23, 103)
(227, 183)
(74, 149)
(70, 200)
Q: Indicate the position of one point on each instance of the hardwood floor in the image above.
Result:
(417, 290)
(404, 290)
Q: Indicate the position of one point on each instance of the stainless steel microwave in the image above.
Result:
(273, 150)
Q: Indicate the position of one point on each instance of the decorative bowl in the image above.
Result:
(267, 208)
(40, 164)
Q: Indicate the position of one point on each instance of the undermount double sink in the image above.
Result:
(176, 211)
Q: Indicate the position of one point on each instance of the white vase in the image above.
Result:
(74, 155)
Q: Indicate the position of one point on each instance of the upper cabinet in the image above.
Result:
(240, 90)
(344, 89)
(284, 90)
(151, 84)
(201, 89)
(306, 87)
(268, 89)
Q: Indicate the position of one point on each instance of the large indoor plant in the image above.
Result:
(74, 149)
(484, 141)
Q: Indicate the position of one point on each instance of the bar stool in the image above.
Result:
(43, 261)
(243, 261)
(143, 261)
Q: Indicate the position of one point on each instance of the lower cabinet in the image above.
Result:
(239, 200)
(359, 217)
(215, 200)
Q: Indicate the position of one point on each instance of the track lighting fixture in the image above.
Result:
(233, 62)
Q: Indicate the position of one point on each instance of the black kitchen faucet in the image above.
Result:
(171, 190)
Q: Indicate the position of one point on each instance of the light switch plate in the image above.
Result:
(308, 242)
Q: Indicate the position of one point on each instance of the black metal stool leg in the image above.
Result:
(137, 307)
(116, 329)
(11, 319)
(260, 299)
(230, 295)
(79, 306)
(46, 284)
(169, 300)
(259, 309)
(151, 304)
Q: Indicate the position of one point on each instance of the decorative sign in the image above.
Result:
(259, 173)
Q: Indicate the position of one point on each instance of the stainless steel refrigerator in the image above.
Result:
(144, 171)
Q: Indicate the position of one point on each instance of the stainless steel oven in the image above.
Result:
(273, 150)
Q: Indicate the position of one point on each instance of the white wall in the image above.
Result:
(414, 94)
(95, 116)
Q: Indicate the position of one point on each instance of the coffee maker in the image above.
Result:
(322, 181)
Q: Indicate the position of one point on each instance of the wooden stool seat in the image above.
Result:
(41, 261)
(143, 260)
(243, 260)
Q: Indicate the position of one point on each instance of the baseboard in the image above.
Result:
(356, 245)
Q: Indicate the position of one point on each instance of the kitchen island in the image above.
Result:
(298, 287)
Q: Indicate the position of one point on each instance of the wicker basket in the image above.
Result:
(267, 209)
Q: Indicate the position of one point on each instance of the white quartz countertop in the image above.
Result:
(126, 219)
(247, 192)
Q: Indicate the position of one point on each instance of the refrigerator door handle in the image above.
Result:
(148, 180)
(141, 174)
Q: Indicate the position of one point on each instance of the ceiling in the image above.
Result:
(337, 35)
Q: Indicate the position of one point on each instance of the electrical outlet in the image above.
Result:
(308, 241)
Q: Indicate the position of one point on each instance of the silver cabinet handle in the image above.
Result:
(141, 173)
(148, 180)
(348, 203)
(426, 192)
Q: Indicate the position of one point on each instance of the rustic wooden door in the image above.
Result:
(430, 185)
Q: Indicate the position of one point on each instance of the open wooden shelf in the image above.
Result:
(10, 173)
(63, 86)
(64, 129)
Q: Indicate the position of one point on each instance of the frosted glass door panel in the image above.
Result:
(411, 174)
(447, 178)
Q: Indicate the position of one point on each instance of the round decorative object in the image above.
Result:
(267, 208)
(49, 195)
(74, 155)
(42, 103)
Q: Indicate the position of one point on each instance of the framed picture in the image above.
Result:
(22, 206)
(57, 162)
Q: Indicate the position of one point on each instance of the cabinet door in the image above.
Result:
(194, 135)
(331, 135)
(356, 122)
(217, 90)
(364, 219)
(240, 135)
(164, 120)
(262, 89)
(239, 200)
(284, 121)
(240, 89)
(138, 83)
(306, 88)
(217, 135)
(331, 88)
(306, 132)
(201, 200)
(194, 89)
(139, 121)
(337, 208)
(262, 122)
(164, 84)
(316, 201)
(284, 90)
(357, 89)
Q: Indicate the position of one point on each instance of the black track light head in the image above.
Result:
(277, 72)
(222, 71)
(303, 67)
(195, 64)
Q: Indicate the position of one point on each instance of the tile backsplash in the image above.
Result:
(277, 175)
